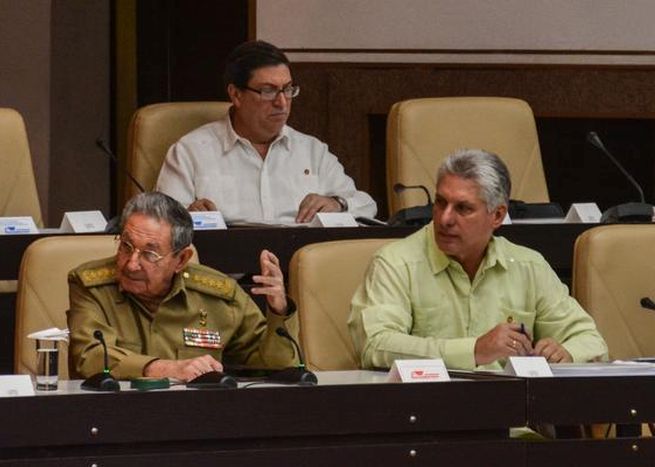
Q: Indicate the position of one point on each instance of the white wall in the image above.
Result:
(461, 31)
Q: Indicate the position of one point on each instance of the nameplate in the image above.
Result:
(333, 219)
(208, 220)
(528, 367)
(17, 226)
(418, 371)
(583, 213)
(83, 222)
(16, 385)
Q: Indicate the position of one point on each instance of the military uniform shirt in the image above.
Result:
(416, 302)
(200, 298)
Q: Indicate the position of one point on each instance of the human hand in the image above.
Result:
(202, 204)
(271, 283)
(184, 370)
(313, 203)
(552, 351)
(502, 341)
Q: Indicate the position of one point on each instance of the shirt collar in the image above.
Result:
(439, 261)
(231, 136)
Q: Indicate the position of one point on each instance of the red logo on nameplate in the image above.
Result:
(422, 374)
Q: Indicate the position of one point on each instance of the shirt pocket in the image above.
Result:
(517, 316)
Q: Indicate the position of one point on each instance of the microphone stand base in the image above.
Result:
(637, 213)
(101, 382)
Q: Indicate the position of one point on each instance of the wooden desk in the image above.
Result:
(350, 418)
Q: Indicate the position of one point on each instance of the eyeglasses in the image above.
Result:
(127, 249)
(270, 94)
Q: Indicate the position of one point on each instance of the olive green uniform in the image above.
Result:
(201, 299)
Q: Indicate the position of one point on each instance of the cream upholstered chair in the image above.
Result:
(613, 269)
(18, 196)
(42, 298)
(422, 132)
(154, 129)
(323, 278)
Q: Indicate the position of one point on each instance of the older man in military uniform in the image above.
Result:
(164, 317)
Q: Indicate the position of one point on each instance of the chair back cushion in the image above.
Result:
(421, 133)
(323, 278)
(613, 269)
(18, 196)
(155, 128)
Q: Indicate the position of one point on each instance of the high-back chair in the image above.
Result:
(421, 133)
(18, 196)
(154, 129)
(613, 269)
(323, 278)
(42, 298)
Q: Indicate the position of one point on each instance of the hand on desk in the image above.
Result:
(202, 204)
(313, 203)
(183, 370)
(506, 340)
(552, 351)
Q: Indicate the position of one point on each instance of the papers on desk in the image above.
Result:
(616, 368)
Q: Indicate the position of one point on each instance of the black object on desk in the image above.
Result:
(213, 380)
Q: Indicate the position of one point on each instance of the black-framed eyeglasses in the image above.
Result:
(270, 94)
(127, 249)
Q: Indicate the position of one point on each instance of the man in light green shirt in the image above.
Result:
(454, 291)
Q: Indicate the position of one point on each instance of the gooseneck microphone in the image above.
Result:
(102, 381)
(400, 187)
(647, 303)
(416, 215)
(626, 212)
(102, 144)
(300, 374)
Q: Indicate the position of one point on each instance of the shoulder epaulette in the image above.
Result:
(209, 281)
(95, 273)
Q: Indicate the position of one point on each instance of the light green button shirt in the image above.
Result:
(416, 302)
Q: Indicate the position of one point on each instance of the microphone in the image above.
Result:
(646, 302)
(102, 381)
(626, 212)
(416, 215)
(300, 374)
(400, 187)
(102, 144)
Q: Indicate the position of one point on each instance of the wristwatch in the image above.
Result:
(342, 202)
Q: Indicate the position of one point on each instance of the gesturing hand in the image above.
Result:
(271, 283)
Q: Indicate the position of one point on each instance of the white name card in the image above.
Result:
(16, 385)
(83, 222)
(418, 371)
(583, 213)
(208, 220)
(507, 220)
(528, 367)
(333, 219)
(17, 226)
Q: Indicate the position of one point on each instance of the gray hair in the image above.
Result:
(163, 208)
(484, 168)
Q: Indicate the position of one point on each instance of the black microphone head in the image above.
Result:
(280, 331)
(594, 139)
(646, 302)
(98, 334)
(398, 187)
